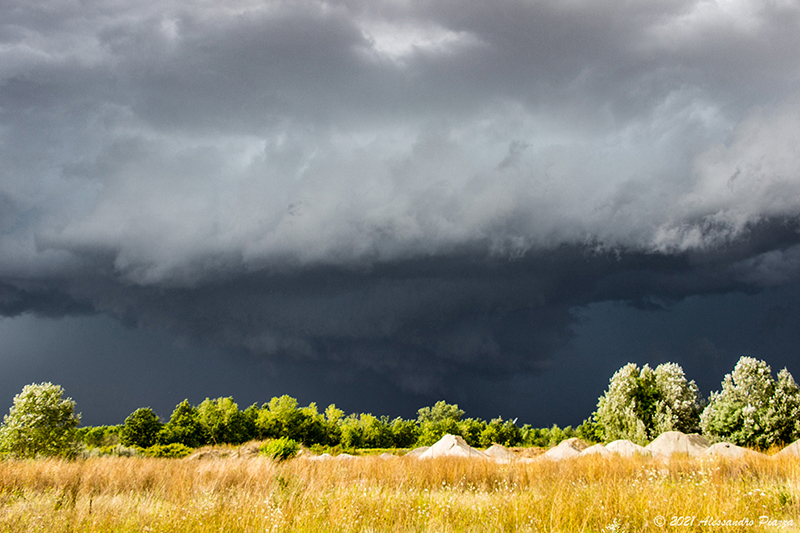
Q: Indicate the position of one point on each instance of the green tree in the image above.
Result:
(753, 409)
(333, 420)
(376, 432)
(783, 412)
(40, 423)
(404, 432)
(440, 412)
(283, 418)
(434, 422)
(222, 421)
(640, 404)
(352, 433)
(184, 427)
(499, 432)
(472, 429)
(141, 428)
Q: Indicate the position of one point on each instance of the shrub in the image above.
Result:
(175, 450)
(99, 435)
(280, 449)
(40, 423)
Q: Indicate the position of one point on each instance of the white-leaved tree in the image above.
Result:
(41, 422)
(640, 404)
(753, 409)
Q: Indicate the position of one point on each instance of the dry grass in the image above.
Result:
(372, 494)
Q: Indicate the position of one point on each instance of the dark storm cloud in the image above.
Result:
(419, 189)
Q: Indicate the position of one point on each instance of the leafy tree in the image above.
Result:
(641, 404)
(499, 432)
(352, 433)
(333, 431)
(40, 423)
(783, 413)
(440, 412)
(472, 429)
(184, 427)
(436, 421)
(590, 431)
(140, 428)
(222, 421)
(404, 432)
(752, 409)
(376, 432)
(282, 418)
(678, 405)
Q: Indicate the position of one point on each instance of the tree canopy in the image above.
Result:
(41, 422)
(640, 404)
(753, 409)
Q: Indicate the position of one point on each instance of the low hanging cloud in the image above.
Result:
(419, 189)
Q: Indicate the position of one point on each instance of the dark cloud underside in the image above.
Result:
(424, 191)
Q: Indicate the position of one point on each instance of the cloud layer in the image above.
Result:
(407, 185)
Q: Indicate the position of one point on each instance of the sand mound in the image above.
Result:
(344, 456)
(626, 448)
(597, 449)
(416, 452)
(791, 450)
(671, 442)
(566, 449)
(248, 450)
(321, 457)
(726, 449)
(499, 452)
(452, 446)
(203, 455)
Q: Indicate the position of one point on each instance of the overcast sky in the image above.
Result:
(383, 203)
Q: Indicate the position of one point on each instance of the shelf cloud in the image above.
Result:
(420, 189)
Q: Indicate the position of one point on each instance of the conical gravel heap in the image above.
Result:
(452, 446)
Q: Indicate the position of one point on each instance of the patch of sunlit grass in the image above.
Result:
(394, 494)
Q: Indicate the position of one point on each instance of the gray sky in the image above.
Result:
(384, 203)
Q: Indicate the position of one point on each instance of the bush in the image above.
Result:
(40, 423)
(117, 450)
(170, 451)
(97, 436)
(280, 449)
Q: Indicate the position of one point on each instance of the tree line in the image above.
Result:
(220, 421)
(752, 409)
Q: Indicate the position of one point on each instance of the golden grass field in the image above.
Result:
(372, 494)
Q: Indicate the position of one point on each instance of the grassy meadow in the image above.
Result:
(372, 494)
